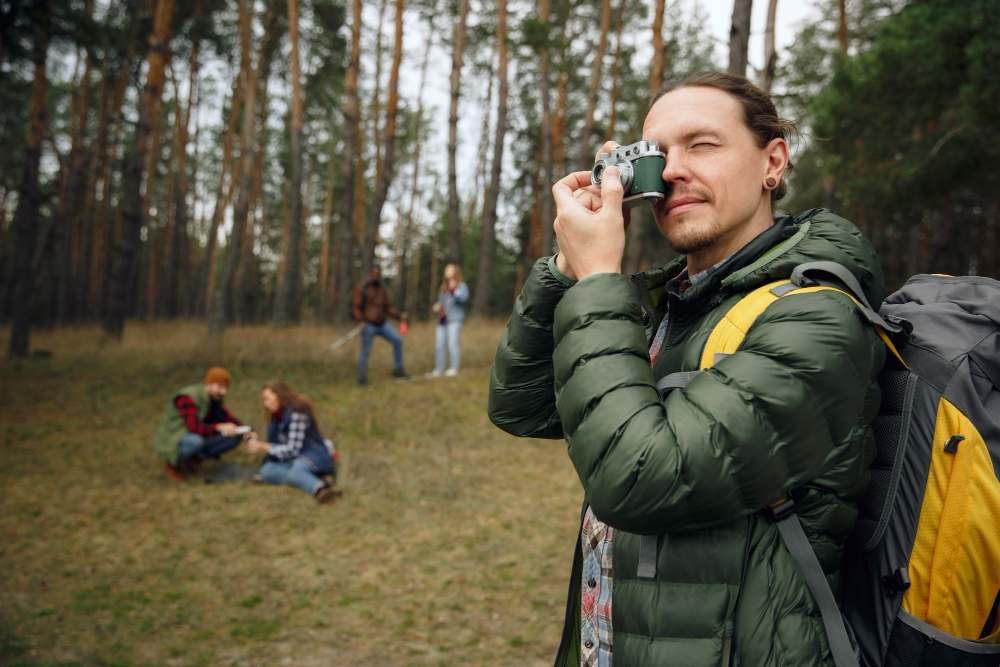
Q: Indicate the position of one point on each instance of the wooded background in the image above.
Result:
(242, 161)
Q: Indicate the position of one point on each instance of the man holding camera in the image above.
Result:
(677, 563)
(197, 425)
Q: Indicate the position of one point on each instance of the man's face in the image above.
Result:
(714, 166)
(376, 275)
(216, 390)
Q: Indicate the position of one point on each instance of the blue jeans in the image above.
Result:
(368, 334)
(447, 334)
(212, 447)
(296, 473)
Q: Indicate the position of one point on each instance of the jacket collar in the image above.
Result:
(658, 283)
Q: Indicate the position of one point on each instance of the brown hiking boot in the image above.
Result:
(327, 494)
(192, 466)
(174, 473)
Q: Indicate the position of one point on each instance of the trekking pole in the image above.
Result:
(343, 339)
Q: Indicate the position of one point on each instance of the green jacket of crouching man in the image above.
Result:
(789, 411)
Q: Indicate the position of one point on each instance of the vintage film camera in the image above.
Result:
(641, 167)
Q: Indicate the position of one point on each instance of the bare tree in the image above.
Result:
(739, 37)
(388, 161)
(454, 229)
(351, 111)
(26, 216)
(770, 54)
(487, 248)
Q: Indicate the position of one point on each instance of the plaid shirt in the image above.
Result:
(217, 414)
(595, 608)
(290, 446)
(597, 540)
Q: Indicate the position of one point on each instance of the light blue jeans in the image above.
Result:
(368, 334)
(447, 335)
(296, 473)
(193, 444)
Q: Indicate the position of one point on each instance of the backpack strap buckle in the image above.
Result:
(781, 508)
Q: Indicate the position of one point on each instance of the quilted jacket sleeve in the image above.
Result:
(790, 408)
(522, 399)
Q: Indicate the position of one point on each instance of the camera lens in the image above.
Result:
(596, 173)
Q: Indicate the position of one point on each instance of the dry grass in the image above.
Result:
(450, 547)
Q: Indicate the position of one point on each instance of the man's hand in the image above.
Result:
(590, 223)
(363, 325)
(227, 429)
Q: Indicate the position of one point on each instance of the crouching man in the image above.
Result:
(196, 425)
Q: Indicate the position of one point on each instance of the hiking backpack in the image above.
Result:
(921, 571)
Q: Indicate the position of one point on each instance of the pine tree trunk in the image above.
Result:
(407, 226)
(842, 25)
(220, 304)
(484, 153)
(179, 259)
(223, 196)
(483, 305)
(548, 178)
(106, 237)
(586, 154)
(326, 272)
(656, 72)
(351, 112)
(388, 162)
(770, 54)
(289, 289)
(739, 37)
(559, 121)
(454, 229)
(133, 211)
(614, 72)
(28, 199)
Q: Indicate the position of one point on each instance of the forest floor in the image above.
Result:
(451, 545)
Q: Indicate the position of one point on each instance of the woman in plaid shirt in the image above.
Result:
(297, 454)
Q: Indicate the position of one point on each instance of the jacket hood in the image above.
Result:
(813, 236)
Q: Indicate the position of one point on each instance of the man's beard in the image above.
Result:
(686, 240)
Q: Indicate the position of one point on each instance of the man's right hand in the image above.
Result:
(227, 429)
(363, 325)
(590, 197)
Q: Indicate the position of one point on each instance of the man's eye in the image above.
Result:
(704, 145)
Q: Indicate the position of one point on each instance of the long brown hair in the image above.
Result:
(289, 398)
(759, 113)
(458, 277)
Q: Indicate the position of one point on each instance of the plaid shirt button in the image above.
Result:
(588, 644)
(592, 583)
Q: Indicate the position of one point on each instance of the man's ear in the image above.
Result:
(777, 158)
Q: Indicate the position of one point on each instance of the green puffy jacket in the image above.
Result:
(790, 411)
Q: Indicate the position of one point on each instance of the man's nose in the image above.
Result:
(676, 170)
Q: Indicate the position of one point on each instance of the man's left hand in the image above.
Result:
(589, 224)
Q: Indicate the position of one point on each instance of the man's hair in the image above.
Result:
(759, 114)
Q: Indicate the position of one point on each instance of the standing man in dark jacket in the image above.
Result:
(371, 306)
(788, 413)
